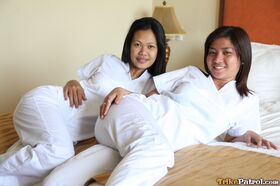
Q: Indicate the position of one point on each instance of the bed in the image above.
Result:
(221, 163)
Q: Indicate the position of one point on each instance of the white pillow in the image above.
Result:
(264, 77)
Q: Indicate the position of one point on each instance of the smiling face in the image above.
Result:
(143, 52)
(222, 61)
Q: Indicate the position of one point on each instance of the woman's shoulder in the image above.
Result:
(182, 73)
(253, 95)
(187, 69)
(109, 59)
(197, 70)
(112, 63)
(107, 64)
(251, 98)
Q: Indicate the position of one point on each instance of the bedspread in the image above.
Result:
(211, 165)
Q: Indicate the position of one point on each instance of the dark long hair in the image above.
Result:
(242, 44)
(146, 23)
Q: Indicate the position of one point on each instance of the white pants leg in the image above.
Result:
(41, 126)
(77, 170)
(130, 128)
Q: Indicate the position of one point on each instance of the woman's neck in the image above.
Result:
(136, 73)
(219, 83)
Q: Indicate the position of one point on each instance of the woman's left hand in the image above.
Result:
(114, 96)
(250, 137)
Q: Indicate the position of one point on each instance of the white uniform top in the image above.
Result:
(206, 111)
(107, 72)
(98, 78)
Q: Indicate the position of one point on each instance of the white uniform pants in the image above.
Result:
(44, 122)
(145, 150)
(77, 170)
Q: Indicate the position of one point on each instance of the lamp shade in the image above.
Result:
(167, 17)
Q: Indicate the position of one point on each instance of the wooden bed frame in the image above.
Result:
(258, 17)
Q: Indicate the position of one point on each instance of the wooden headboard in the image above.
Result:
(260, 18)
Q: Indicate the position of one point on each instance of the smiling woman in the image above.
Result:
(47, 131)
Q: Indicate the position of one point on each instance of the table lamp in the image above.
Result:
(173, 30)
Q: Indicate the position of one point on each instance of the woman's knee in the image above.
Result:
(53, 155)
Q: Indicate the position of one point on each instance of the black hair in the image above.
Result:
(146, 23)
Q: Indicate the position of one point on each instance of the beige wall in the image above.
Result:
(44, 42)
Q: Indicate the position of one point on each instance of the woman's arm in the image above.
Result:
(74, 92)
(250, 137)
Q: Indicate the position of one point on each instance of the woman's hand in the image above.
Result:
(250, 137)
(74, 92)
(114, 96)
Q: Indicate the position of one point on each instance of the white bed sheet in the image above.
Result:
(270, 124)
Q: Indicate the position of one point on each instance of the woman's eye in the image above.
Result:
(210, 52)
(137, 44)
(227, 53)
(151, 46)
